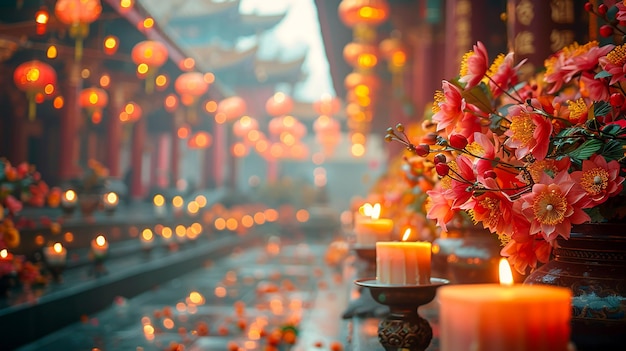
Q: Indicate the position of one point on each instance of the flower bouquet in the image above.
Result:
(530, 158)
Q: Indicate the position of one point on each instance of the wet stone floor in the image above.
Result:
(276, 296)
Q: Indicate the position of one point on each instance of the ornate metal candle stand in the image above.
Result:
(403, 327)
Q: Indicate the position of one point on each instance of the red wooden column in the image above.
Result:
(114, 133)
(70, 125)
(136, 159)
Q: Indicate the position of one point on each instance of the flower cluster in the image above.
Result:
(94, 178)
(528, 159)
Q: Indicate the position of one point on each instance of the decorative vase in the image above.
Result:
(592, 263)
(475, 258)
(88, 204)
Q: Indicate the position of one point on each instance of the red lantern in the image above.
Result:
(34, 77)
(230, 109)
(394, 51)
(355, 79)
(131, 112)
(359, 55)
(200, 140)
(190, 86)
(41, 18)
(94, 100)
(149, 55)
(244, 125)
(78, 14)
(111, 43)
(279, 104)
(366, 12)
(327, 105)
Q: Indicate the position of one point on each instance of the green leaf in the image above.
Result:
(611, 129)
(587, 149)
(613, 150)
(601, 108)
(479, 97)
(602, 74)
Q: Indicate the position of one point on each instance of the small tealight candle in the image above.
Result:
(110, 201)
(504, 317)
(55, 255)
(69, 199)
(6, 256)
(404, 263)
(147, 239)
(99, 246)
(370, 230)
(159, 205)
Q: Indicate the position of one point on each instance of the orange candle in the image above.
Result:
(99, 246)
(504, 317)
(404, 263)
(55, 255)
(370, 230)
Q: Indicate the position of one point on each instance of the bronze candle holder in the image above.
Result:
(403, 327)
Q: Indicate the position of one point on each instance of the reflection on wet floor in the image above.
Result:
(274, 297)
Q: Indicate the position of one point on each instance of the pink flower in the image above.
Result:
(615, 64)
(505, 75)
(599, 179)
(526, 254)
(554, 205)
(529, 133)
(449, 105)
(493, 208)
(474, 66)
(440, 208)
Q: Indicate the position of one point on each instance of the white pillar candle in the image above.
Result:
(403, 263)
(99, 246)
(370, 230)
(504, 317)
(55, 255)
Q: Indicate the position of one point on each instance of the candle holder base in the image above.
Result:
(403, 327)
(56, 272)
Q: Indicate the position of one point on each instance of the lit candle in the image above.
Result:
(99, 246)
(69, 199)
(159, 205)
(56, 255)
(6, 256)
(404, 263)
(504, 317)
(6, 261)
(110, 201)
(147, 239)
(370, 230)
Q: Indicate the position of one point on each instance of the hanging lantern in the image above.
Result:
(230, 109)
(360, 55)
(327, 105)
(149, 56)
(200, 140)
(111, 43)
(279, 104)
(34, 77)
(190, 86)
(78, 14)
(94, 100)
(240, 150)
(363, 12)
(131, 113)
(244, 125)
(41, 18)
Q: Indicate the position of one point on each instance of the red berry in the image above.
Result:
(458, 141)
(617, 100)
(588, 7)
(439, 158)
(606, 31)
(602, 9)
(442, 169)
(422, 150)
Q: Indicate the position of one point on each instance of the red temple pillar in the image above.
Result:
(70, 124)
(114, 134)
(136, 159)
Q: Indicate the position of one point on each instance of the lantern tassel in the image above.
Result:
(78, 51)
(32, 108)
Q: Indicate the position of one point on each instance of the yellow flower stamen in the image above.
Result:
(537, 168)
(464, 68)
(446, 182)
(475, 149)
(437, 99)
(576, 109)
(617, 56)
(523, 128)
(595, 181)
(550, 206)
(495, 66)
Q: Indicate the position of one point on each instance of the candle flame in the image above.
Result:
(70, 195)
(111, 198)
(366, 209)
(407, 234)
(57, 247)
(506, 276)
(4, 253)
(100, 240)
(376, 211)
(146, 234)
